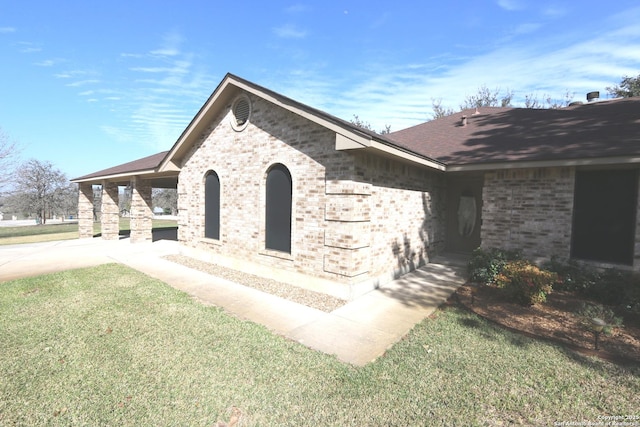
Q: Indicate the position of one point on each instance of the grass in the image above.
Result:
(50, 232)
(110, 346)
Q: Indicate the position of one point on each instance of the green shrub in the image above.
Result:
(486, 264)
(589, 311)
(608, 286)
(573, 277)
(525, 282)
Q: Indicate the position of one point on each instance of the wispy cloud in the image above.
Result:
(28, 47)
(171, 45)
(167, 89)
(82, 83)
(511, 4)
(297, 8)
(554, 11)
(6, 30)
(46, 63)
(527, 28)
(289, 31)
(401, 95)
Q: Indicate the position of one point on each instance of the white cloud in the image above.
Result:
(45, 63)
(289, 31)
(549, 65)
(554, 11)
(171, 45)
(511, 4)
(28, 47)
(82, 82)
(297, 8)
(527, 28)
(6, 30)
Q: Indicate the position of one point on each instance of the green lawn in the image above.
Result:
(50, 232)
(110, 346)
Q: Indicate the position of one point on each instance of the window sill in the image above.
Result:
(210, 241)
(276, 254)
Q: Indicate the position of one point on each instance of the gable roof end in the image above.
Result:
(348, 135)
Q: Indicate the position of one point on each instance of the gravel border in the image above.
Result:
(317, 300)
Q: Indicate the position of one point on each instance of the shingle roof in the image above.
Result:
(148, 163)
(600, 129)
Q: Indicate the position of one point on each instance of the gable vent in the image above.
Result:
(241, 111)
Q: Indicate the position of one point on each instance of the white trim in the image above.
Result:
(114, 176)
(545, 164)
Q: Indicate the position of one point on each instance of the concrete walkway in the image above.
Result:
(356, 333)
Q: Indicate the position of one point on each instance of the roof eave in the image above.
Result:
(514, 164)
(112, 177)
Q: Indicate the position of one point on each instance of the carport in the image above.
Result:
(142, 176)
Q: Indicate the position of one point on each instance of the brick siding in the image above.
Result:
(351, 211)
(530, 210)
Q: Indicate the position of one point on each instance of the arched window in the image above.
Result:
(278, 209)
(212, 206)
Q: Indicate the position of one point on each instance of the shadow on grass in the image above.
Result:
(493, 332)
(589, 358)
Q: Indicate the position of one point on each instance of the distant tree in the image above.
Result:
(65, 200)
(628, 87)
(124, 200)
(366, 125)
(486, 97)
(438, 110)
(39, 189)
(9, 151)
(531, 101)
(97, 202)
(166, 198)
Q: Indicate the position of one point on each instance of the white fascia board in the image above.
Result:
(345, 143)
(546, 164)
(116, 177)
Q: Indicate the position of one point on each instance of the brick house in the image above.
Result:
(266, 181)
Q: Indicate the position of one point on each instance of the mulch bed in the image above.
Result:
(554, 321)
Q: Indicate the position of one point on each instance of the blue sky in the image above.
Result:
(88, 85)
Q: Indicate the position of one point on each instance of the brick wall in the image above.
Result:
(241, 160)
(529, 209)
(351, 212)
(407, 214)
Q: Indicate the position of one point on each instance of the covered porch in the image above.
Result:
(141, 176)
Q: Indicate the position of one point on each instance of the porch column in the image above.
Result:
(110, 213)
(85, 211)
(141, 210)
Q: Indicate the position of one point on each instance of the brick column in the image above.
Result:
(347, 235)
(141, 211)
(85, 211)
(110, 213)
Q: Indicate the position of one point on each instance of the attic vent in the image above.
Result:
(241, 110)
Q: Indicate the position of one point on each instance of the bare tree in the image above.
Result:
(166, 198)
(38, 187)
(486, 97)
(366, 125)
(438, 110)
(9, 151)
